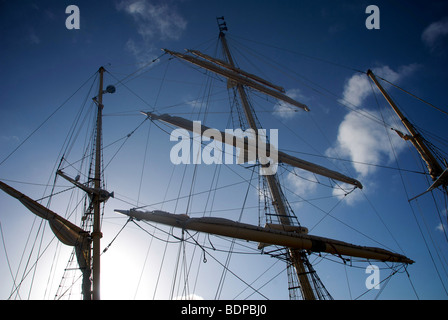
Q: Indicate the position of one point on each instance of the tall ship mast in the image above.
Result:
(87, 244)
(436, 170)
(310, 284)
(193, 219)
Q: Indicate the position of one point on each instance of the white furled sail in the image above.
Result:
(238, 78)
(297, 239)
(66, 232)
(238, 142)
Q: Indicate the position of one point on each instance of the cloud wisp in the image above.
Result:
(364, 142)
(154, 20)
(434, 34)
(358, 87)
(360, 139)
(284, 110)
(301, 182)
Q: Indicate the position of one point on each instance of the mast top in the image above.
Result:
(221, 25)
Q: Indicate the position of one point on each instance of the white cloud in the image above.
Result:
(14, 139)
(154, 20)
(440, 227)
(346, 189)
(359, 138)
(285, 110)
(363, 140)
(143, 54)
(433, 34)
(358, 87)
(302, 182)
(356, 90)
(32, 37)
(195, 103)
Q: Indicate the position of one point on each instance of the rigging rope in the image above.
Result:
(414, 96)
(382, 283)
(416, 221)
(183, 242)
(227, 263)
(299, 53)
(7, 258)
(233, 273)
(128, 77)
(45, 121)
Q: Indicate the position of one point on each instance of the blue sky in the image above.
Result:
(313, 49)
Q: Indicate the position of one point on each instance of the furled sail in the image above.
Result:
(238, 78)
(240, 143)
(237, 70)
(297, 239)
(66, 232)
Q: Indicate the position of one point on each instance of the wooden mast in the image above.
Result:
(244, 144)
(297, 251)
(68, 233)
(287, 236)
(434, 168)
(277, 199)
(96, 233)
(238, 77)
